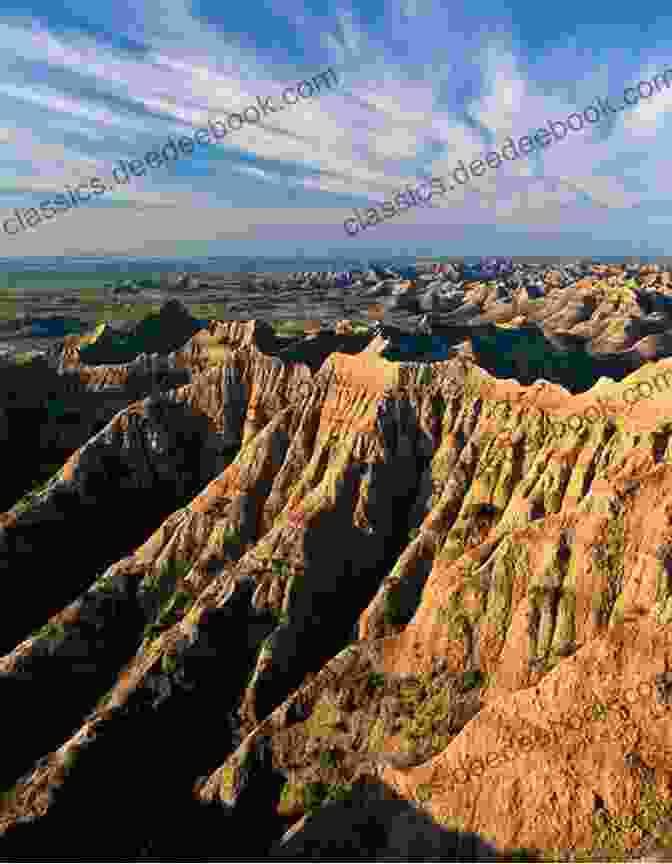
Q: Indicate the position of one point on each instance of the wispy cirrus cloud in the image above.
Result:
(420, 87)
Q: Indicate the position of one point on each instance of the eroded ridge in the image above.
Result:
(487, 577)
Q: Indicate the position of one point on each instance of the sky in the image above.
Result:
(419, 86)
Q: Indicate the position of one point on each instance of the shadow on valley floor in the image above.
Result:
(372, 824)
(47, 557)
(525, 353)
(376, 824)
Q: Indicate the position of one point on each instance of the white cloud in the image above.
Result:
(646, 119)
(386, 124)
(506, 92)
(606, 191)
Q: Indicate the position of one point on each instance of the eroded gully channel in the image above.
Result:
(144, 774)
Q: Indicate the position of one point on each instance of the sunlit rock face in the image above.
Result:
(382, 601)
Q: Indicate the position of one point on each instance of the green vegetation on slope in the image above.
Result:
(174, 601)
(39, 486)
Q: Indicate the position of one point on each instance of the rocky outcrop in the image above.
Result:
(342, 592)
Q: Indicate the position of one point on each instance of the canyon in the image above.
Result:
(300, 580)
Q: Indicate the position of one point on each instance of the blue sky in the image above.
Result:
(421, 85)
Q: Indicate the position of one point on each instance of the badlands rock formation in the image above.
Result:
(350, 598)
